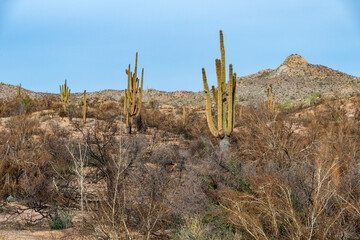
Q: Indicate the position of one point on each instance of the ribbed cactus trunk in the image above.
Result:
(270, 99)
(225, 100)
(84, 107)
(18, 91)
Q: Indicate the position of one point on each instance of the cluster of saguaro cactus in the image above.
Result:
(64, 94)
(84, 107)
(223, 97)
(132, 105)
(270, 99)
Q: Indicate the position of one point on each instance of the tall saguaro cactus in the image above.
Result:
(64, 94)
(84, 107)
(224, 98)
(270, 99)
(132, 105)
(18, 91)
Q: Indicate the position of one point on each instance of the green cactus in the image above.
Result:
(18, 91)
(132, 105)
(184, 115)
(270, 99)
(84, 107)
(225, 99)
(64, 94)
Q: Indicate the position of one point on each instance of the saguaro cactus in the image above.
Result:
(18, 91)
(64, 94)
(224, 98)
(84, 107)
(270, 99)
(184, 115)
(132, 105)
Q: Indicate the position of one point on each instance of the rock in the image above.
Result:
(10, 199)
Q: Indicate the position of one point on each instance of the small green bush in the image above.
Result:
(204, 228)
(61, 219)
(23, 103)
(313, 98)
(122, 99)
(287, 105)
(154, 103)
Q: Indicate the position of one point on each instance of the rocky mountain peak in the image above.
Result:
(295, 61)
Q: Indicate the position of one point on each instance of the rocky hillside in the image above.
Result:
(294, 81)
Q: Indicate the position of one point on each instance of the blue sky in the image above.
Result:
(90, 43)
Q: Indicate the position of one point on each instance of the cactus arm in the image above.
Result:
(223, 86)
(219, 98)
(214, 92)
(135, 72)
(230, 102)
(234, 93)
(129, 77)
(141, 91)
(125, 102)
(133, 97)
(210, 121)
(134, 89)
(133, 102)
(127, 92)
(137, 85)
(223, 73)
(127, 120)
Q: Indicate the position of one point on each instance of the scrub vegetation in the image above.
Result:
(76, 165)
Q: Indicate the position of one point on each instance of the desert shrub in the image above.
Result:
(103, 148)
(9, 107)
(29, 170)
(154, 104)
(313, 98)
(198, 228)
(274, 210)
(121, 100)
(14, 106)
(121, 162)
(109, 110)
(23, 103)
(151, 211)
(61, 219)
(301, 175)
(195, 125)
(70, 110)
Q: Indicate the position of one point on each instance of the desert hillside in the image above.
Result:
(295, 81)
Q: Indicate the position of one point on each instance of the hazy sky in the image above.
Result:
(90, 43)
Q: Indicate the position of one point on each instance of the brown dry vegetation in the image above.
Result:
(290, 174)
